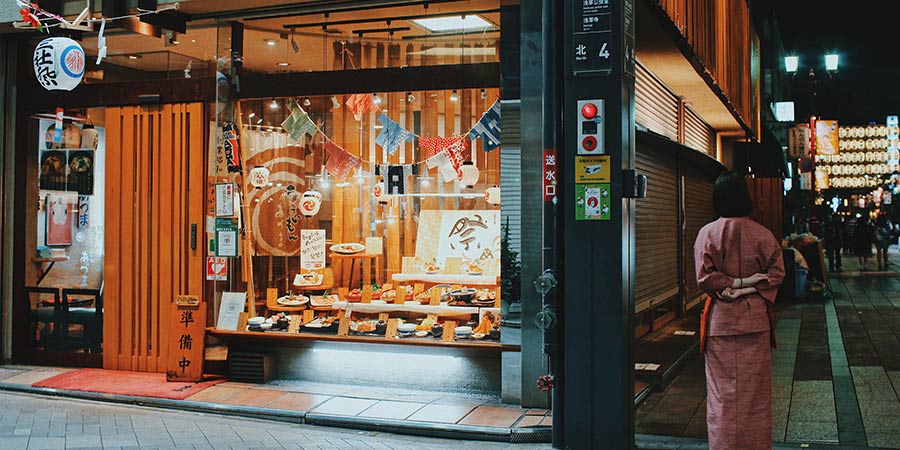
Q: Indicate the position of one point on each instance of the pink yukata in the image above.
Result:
(738, 354)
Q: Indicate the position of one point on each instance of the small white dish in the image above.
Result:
(256, 320)
(421, 333)
(407, 328)
(266, 325)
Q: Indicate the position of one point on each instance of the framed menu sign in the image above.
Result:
(312, 249)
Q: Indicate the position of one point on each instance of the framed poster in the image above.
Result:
(81, 172)
(61, 208)
(230, 310)
(226, 237)
(53, 170)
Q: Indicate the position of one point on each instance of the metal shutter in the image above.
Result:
(511, 171)
(698, 211)
(697, 134)
(656, 245)
(655, 106)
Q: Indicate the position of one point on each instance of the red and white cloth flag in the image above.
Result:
(446, 153)
(340, 163)
(360, 104)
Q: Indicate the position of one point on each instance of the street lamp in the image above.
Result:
(831, 62)
(791, 63)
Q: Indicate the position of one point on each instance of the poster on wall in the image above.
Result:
(61, 210)
(53, 170)
(469, 235)
(827, 137)
(312, 249)
(81, 172)
(225, 200)
(230, 310)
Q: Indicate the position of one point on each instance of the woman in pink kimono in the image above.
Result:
(739, 264)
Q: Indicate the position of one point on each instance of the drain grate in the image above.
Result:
(536, 435)
(250, 367)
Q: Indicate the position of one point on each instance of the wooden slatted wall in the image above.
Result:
(768, 196)
(154, 192)
(698, 211)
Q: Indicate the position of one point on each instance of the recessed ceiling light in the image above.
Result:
(453, 23)
(134, 56)
(176, 42)
(270, 42)
(283, 63)
(193, 41)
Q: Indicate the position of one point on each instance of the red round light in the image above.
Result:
(589, 111)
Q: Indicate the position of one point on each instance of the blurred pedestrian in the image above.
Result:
(739, 265)
(834, 242)
(883, 234)
(863, 237)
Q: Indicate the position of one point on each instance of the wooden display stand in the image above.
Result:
(186, 341)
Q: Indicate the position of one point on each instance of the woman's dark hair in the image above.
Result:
(731, 198)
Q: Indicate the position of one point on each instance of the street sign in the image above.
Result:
(591, 46)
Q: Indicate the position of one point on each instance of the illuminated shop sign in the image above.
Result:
(865, 156)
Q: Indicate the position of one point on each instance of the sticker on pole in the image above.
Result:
(216, 268)
(592, 169)
(592, 202)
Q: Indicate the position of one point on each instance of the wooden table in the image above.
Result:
(366, 264)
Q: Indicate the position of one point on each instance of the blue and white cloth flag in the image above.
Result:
(392, 135)
(488, 128)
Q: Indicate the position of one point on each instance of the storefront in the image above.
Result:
(334, 201)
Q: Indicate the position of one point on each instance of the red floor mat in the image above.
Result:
(125, 383)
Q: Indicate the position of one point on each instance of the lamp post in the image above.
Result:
(792, 66)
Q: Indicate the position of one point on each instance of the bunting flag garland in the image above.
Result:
(488, 128)
(340, 163)
(395, 177)
(359, 104)
(446, 153)
(298, 123)
(392, 135)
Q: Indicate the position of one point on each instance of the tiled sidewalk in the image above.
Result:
(352, 406)
(836, 373)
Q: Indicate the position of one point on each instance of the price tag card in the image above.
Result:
(449, 331)
(242, 321)
(497, 299)
(392, 327)
(272, 296)
(435, 297)
(344, 326)
(452, 265)
(296, 321)
(400, 298)
(308, 316)
(383, 317)
(367, 294)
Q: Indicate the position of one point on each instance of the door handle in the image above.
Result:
(193, 236)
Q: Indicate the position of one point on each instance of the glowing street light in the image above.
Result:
(791, 63)
(831, 62)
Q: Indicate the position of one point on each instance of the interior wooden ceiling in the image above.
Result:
(202, 39)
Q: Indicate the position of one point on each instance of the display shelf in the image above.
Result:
(443, 278)
(281, 337)
(409, 307)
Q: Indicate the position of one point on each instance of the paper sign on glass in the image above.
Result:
(225, 200)
(312, 249)
(230, 310)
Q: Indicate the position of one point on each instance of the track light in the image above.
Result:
(274, 104)
(335, 104)
(410, 97)
(376, 99)
(454, 97)
(483, 94)
(306, 101)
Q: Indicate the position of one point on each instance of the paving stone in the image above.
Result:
(811, 432)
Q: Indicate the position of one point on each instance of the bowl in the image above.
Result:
(407, 328)
(421, 333)
(437, 330)
(266, 325)
(462, 331)
(478, 336)
(256, 320)
(463, 295)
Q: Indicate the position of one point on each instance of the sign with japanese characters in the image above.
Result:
(226, 237)
(186, 330)
(550, 174)
(592, 202)
(592, 169)
(591, 36)
(216, 268)
(467, 235)
(225, 200)
(312, 249)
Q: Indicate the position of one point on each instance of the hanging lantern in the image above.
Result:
(58, 63)
(258, 176)
(492, 195)
(379, 192)
(310, 203)
(89, 137)
(468, 174)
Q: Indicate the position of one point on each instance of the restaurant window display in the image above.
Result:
(64, 276)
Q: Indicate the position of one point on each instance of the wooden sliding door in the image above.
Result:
(154, 197)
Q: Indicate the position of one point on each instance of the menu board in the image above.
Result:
(312, 249)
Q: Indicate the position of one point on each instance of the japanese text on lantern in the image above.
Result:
(185, 359)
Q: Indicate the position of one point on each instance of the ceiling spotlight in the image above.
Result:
(252, 115)
(306, 101)
(274, 104)
(283, 63)
(134, 56)
(335, 104)
(410, 97)
(483, 94)
(294, 43)
(270, 42)
(376, 99)
(454, 97)
(259, 121)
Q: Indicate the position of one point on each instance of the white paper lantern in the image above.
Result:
(89, 137)
(310, 203)
(379, 192)
(468, 174)
(492, 195)
(58, 63)
(258, 176)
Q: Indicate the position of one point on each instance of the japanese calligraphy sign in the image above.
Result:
(186, 332)
(550, 174)
(312, 249)
(468, 235)
(58, 63)
(225, 199)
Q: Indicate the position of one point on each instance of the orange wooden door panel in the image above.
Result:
(154, 194)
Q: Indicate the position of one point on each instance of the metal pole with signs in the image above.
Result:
(596, 195)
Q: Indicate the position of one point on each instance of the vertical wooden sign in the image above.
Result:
(186, 340)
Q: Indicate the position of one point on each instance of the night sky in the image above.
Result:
(865, 35)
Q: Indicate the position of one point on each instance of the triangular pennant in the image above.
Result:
(392, 135)
(488, 128)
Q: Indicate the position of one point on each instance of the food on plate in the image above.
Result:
(292, 300)
(53, 165)
(348, 248)
(424, 297)
(321, 301)
(431, 267)
(462, 297)
(308, 279)
(484, 297)
(80, 163)
(486, 325)
(320, 322)
(473, 268)
(425, 325)
(364, 326)
(355, 295)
